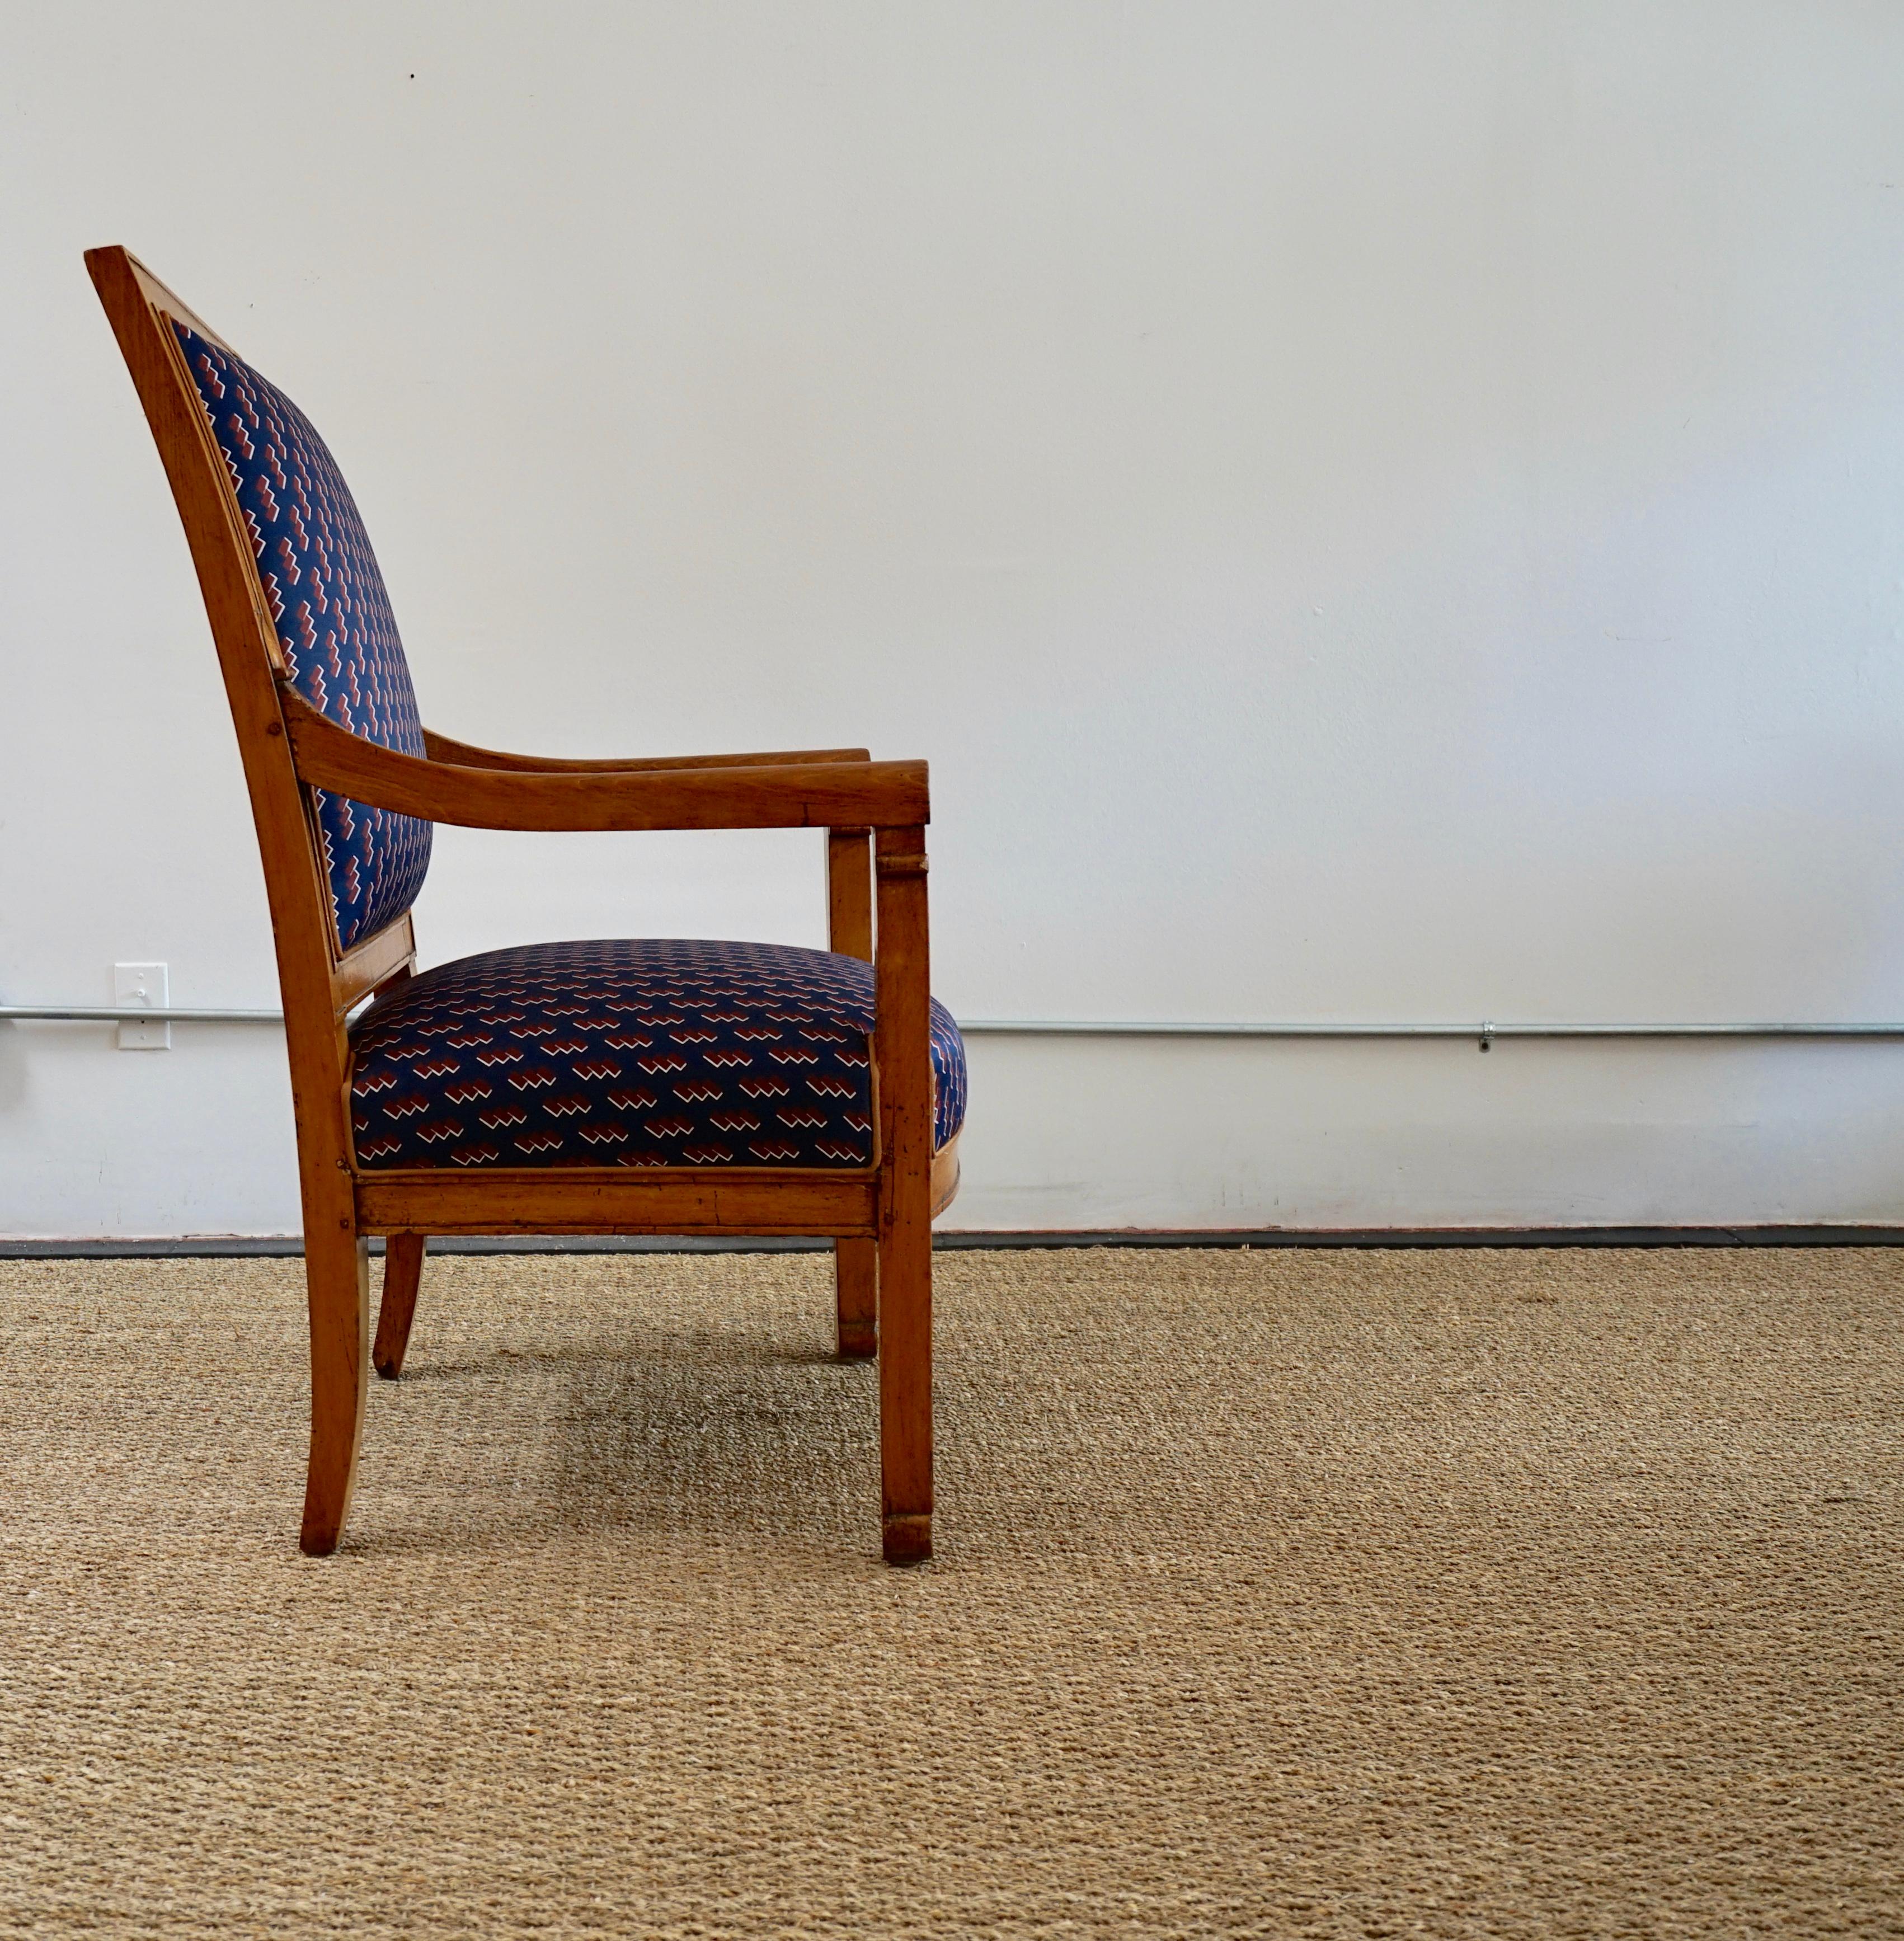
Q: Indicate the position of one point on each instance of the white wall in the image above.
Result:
(1377, 511)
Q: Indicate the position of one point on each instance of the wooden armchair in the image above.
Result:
(606, 1087)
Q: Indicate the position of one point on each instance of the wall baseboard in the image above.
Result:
(290, 1246)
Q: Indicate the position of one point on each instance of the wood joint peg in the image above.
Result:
(900, 865)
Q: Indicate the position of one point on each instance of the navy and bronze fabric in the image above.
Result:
(666, 1052)
(333, 618)
(646, 1054)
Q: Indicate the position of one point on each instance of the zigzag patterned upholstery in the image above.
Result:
(646, 1054)
(657, 1053)
(333, 618)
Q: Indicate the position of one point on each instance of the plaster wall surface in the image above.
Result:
(1372, 512)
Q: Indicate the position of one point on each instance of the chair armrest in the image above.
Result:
(463, 755)
(793, 795)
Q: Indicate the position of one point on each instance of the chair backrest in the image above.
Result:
(335, 630)
(293, 594)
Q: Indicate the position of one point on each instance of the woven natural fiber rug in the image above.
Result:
(1337, 1594)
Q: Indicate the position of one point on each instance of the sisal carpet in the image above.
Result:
(1330, 1594)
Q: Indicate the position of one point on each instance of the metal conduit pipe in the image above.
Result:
(1484, 1033)
(156, 1014)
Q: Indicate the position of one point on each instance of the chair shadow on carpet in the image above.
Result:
(721, 1434)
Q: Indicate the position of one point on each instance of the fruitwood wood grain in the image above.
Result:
(287, 748)
(802, 795)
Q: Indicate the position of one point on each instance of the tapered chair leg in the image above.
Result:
(906, 1389)
(336, 1272)
(856, 1276)
(902, 1055)
(403, 1269)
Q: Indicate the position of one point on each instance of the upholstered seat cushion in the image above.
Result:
(649, 1053)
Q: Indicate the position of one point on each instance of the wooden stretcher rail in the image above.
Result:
(605, 1200)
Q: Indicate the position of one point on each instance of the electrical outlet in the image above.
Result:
(142, 984)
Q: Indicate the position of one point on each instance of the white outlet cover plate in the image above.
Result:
(138, 984)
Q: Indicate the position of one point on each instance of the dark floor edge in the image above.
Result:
(289, 1246)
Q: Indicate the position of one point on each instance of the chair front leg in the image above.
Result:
(903, 1050)
(403, 1271)
(337, 1274)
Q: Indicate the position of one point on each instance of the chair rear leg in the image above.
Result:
(905, 1273)
(337, 1273)
(856, 1276)
(403, 1269)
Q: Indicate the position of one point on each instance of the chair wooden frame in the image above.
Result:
(879, 1218)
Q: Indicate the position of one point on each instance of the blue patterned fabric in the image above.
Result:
(653, 1053)
(333, 618)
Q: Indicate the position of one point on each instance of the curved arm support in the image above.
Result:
(876, 795)
(463, 755)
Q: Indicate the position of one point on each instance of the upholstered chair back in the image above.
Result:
(338, 635)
